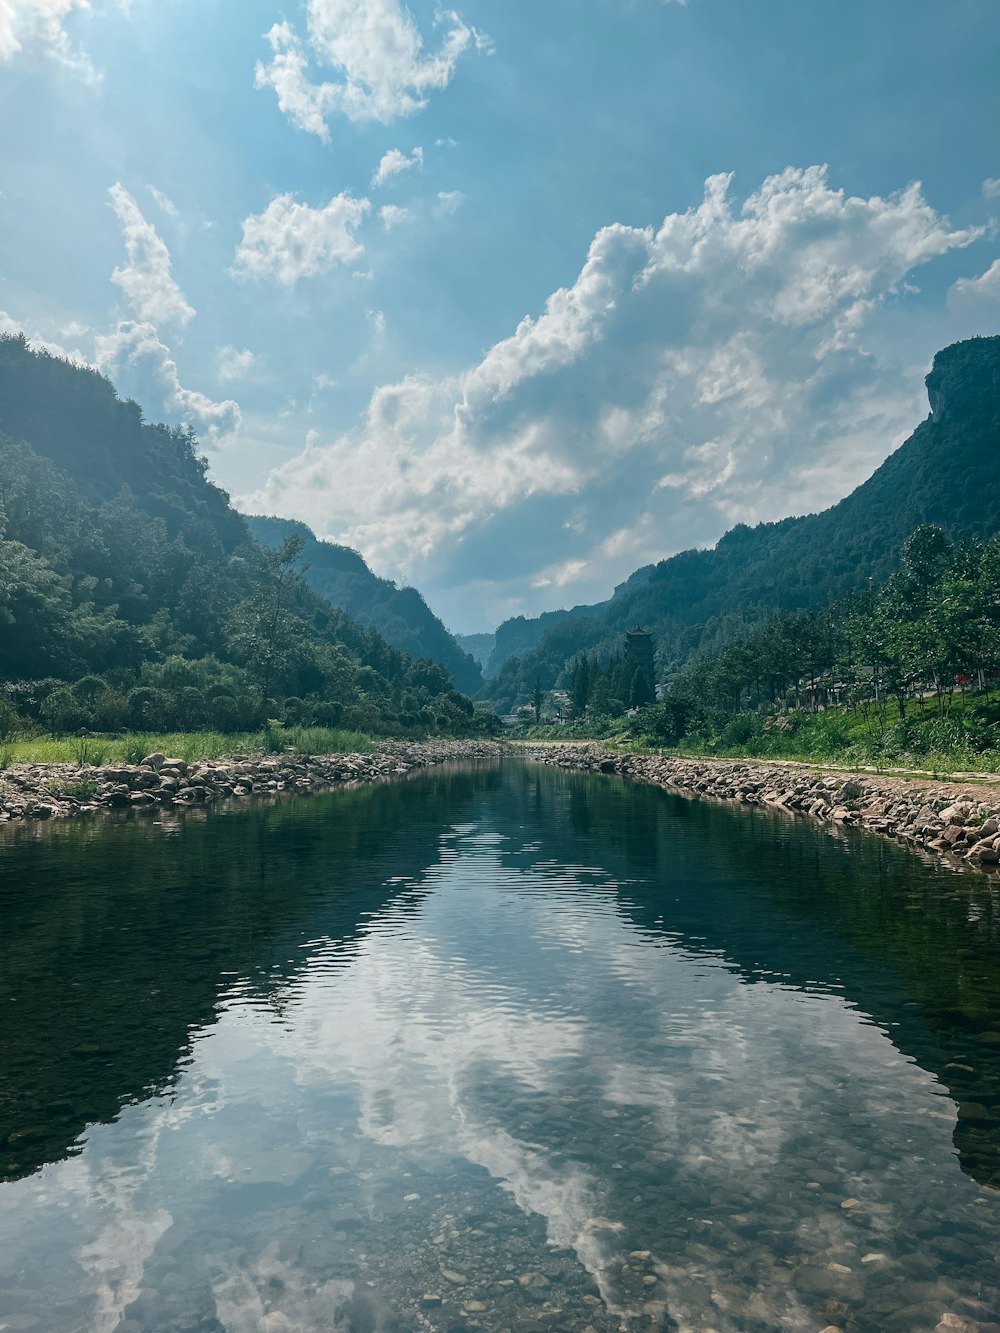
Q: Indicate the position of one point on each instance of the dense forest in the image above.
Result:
(132, 595)
(699, 601)
(890, 666)
(400, 615)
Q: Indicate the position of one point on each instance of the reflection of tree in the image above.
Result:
(121, 939)
(780, 899)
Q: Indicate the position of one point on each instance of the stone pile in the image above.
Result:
(960, 821)
(48, 791)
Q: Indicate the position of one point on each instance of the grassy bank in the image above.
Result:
(964, 738)
(190, 746)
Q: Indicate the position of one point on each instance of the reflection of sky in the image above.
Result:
(631, 1095)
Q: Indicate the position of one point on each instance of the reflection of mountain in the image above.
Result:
(120, 940)
(785, 902)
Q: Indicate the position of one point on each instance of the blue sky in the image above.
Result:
(514, 298)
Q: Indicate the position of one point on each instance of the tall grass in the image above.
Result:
(192, 747)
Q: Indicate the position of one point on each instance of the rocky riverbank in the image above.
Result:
(51, 791)
(958, 821)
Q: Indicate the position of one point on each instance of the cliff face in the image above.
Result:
(400, 615)
(945, 473)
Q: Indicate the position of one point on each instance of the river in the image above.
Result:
(498, 1046)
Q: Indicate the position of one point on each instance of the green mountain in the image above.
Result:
(945, 473)
(479, 646)
(400, 615)
(133, 594)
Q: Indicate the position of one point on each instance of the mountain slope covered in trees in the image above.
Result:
(400, 615)
(132, 594)
(945, 473)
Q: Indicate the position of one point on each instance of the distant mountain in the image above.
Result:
(947, 473)
(478, 646)
(400, 615)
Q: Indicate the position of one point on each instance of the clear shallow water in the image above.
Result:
(502, 1048)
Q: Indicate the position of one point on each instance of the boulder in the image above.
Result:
(155, 760)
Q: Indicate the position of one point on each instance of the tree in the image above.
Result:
(537, 699)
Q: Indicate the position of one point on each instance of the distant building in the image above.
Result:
(639, 653)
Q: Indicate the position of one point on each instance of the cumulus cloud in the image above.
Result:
(973, 290)
(290, 240)
(138, 345)
(306, 104)
(991, 188)
(715, 364)
(375, 50)
(146, 277)
(393, 163)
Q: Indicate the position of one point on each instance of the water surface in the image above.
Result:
(495, 1047)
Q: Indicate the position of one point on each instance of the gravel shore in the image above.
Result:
(52, 791)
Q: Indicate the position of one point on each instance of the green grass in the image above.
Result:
(965, 739)
(83, 751)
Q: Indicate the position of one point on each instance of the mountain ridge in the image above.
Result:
(945, 473)
(401, 615)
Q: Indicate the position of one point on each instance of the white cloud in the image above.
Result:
(450, 201)
(392, 215)
(26, 23)
(377, 53)
(164, 202)
(723, 350)
(984, 288)
(146, 277)
(290, 240)
(393, 163)
(138, 345)
(991, 188)
(234, 364)
(306, 104)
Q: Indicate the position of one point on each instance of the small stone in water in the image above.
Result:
(838, 1268)
(474, 1307)
(851, 1203)
(873, 1258)
(639, 1254)
(449, 1274)
(649, 1279)
(410, 1198)
(429, 1300)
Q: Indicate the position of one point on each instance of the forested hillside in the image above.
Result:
(945, 473)
(133, 595)
(400, 615)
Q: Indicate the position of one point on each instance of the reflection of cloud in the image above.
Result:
(116, 1260)
(635, 1098)
(271, 1296)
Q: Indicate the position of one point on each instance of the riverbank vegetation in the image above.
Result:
(906, 674)
(191, 746)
